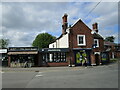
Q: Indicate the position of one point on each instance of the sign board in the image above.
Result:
(3, 50)
(22, 49)
(54, 50)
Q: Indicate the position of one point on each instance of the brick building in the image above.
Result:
(113, 49)
(81, 41)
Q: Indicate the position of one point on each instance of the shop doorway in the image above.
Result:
(105, 57)
(81, 56)
(97, 59)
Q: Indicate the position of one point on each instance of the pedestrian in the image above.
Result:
(85, 62)
(70, 62)
(26, 64)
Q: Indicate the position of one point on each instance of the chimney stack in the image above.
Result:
(95, 27)
(65, 24)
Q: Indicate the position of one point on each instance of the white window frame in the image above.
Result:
(97, 42)
(84, 41)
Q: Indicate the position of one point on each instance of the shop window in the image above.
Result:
(81, 40)
(50, 55)
(57, 57)
(104, 56)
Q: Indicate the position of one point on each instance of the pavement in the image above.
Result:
(37, 69)
(104, 76)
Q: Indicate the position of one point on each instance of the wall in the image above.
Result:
(61, 43)
(51, 45)
(57, 64)
(117, 53)
(101, 46)
(80, 29)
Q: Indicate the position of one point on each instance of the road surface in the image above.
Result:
(105, 76)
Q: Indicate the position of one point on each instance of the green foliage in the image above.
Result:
(43, 40)
(4, 43)
(110, 38)
(114, 60)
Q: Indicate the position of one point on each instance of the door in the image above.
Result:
(97, 59)
(80, 57)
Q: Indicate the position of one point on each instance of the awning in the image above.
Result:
(14, 53)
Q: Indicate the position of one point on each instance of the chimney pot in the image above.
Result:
(95, 27)
(64, 18)
(65, 24)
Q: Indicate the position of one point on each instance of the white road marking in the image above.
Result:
(1, 72)
(38, 75)
(40, 72)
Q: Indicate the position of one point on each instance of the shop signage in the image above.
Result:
(23, 48)
(54, 50)
(3, 50)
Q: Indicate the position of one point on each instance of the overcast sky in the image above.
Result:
(22, 21)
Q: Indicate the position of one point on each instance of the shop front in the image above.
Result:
(105, 57)
(53, 57)
(22, 56)
(81, 56)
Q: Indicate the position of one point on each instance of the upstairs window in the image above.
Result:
(96, 42)
(81, 40)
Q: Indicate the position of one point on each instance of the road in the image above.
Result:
(105, 76)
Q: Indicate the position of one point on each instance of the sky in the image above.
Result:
(23, 21)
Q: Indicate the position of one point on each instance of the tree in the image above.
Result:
(110, 38)
(43, 40)
(4, 43)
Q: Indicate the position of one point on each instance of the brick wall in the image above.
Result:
(101, 46)
(57, 64)
(80, 29)
(117, 54)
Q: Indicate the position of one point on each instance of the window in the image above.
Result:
(96, 42)
(56, 57)
(81, 40)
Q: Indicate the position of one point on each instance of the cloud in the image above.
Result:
(21, 18)
(106, 15)
(23, 21)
